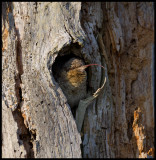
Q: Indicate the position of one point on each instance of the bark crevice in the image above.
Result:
(23, 135)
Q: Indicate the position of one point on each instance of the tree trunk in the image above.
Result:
(37, 120)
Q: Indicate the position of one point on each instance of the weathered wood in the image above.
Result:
(36, 118)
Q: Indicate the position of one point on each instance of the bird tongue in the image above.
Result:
(85, 66)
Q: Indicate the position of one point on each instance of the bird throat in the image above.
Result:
(77, 76)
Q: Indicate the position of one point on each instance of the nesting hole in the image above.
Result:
(62, 57)
(56, 68)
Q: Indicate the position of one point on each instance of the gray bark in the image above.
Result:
(36, 118)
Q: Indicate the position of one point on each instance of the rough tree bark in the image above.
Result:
(36, 118)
